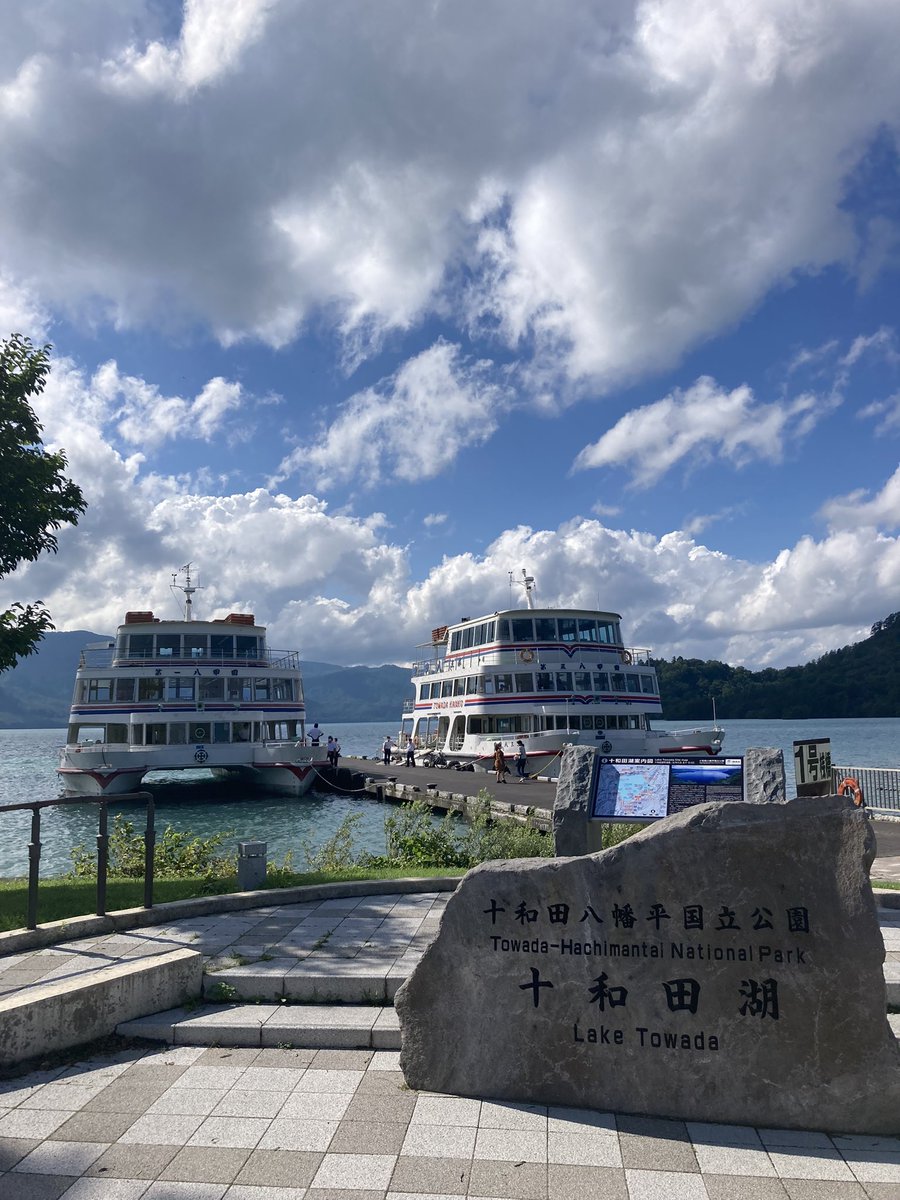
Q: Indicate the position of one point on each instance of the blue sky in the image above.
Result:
(360, 307)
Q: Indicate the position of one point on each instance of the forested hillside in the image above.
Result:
(861, 680)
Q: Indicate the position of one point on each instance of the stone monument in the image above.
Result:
(721, 965)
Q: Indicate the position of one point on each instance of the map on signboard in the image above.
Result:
(636, 790)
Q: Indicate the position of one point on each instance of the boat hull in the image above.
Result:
(107, 771)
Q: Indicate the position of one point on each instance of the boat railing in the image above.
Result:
(522, 655)
(408, 706)
(36, 807)
(880, 787)
(99, 658)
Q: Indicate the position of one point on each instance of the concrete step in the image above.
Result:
(311, 981)
(314, 1026)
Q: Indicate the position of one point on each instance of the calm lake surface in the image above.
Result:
(28, 772)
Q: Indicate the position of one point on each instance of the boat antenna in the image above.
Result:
(187, 587)
(527, 582)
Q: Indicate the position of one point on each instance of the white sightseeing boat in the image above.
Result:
(547, 676)
(178, 695)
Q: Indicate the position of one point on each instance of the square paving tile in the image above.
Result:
(589, 1148)
(329, 1081)
(206, 1164)
(745, 1187)
(499, 1115)
(664, 1185)
(448, 1141)
(817, 1164)
(246, 1191)
(573, 1120)
(363, 1137)
(818, 1189)
(106, 1189)
(290, 1134)
(187, 1102)
(396, 1107)
(734, 1160)
(361, 1171)
(236, 1132)
(657, 1153)
(433, 1176)
(34, 1187)
(29, 1122)
(511, 1145)
(445, 1110)
(61, 1158)
(570, 1182)
(874, 1168)
(518, 1181)
(12, 1150)
(94, 1127)
(312, 1106)
(279, 1168)
(128, 1161)
(162, 1130)
(170, 1190)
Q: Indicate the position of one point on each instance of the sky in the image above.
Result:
(363, 307)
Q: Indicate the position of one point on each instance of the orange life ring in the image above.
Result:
(849, 787)
(526, 656)
(626, 657)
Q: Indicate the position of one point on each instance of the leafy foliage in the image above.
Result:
(175, 854)
(861, 680)
(36, 498)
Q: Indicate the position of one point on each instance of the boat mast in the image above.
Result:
(187, 587)
(528, 585)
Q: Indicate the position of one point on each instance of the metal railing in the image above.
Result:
(880, 787)
(98, 657)
(36, 807)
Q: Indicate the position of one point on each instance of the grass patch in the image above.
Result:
(885, 883)
(62, 899)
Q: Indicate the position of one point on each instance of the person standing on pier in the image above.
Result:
(335, 753)
(410, 751)
(329, 750)
(499, 763)
(521, 759)
(386, 751)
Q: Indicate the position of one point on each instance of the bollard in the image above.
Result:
(251, 865)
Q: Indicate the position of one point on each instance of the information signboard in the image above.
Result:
(812, 766)
(648, 789)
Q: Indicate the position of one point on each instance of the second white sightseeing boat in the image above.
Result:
(547, 676)
(178, 695)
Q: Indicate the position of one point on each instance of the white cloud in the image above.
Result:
(862, 509)
(409, 428)
(433, 519)
(613, 182)
(697, 424)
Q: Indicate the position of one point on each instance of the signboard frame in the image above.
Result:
(666, 785)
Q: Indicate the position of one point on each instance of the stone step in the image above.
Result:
(314, 981)
(313, 1026)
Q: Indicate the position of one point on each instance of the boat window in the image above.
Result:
(647, 682)
(587, 722)
(455, 637)
(504, 725)
(468, 637)
(238, 688)
(425, 691)
(179, 687)
(99, 689)
(150, 689)
(489, 685)
(617, 679)
(140, 645)
(221, 731)
(117, 734)
(261, 689)
(633, 682)
(247, 647)
(200, 733)
(545, 628)
(568, 631)
(503, 629)
(212, 688)
(177, 735)
(282, 689)
(607, 634)
(524, 681)
(582, 681)
(479, 637)
(155, 735)
(503, 683)
(544, 681)
(575, 722)
(472, 685)
(124, 690)
(459, 686)
(221, 645)
(523, 629)
(476, 725)
(447, 687)
(168, 645)
(634, 722)
(601, 681)
(616, 634)
(490, 631)
(195, 645)
(564, 681)
(587, 630)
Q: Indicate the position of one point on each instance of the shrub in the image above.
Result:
(175, 854)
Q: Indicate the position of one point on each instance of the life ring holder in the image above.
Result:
(626, 657)
(850, 787)
(526, 656)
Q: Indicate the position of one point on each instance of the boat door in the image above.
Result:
(458, 732)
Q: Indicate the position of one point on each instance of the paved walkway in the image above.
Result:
(201, 1124)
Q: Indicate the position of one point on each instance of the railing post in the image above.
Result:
(34, 862)
(149, 851)
(102, 858)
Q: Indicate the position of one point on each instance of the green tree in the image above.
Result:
(35, 496)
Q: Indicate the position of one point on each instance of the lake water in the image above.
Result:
(28, 772)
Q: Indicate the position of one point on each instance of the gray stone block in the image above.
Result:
(724, 965)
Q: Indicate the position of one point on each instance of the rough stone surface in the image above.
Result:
(764, 781)
(573, 798)
(479, 1016)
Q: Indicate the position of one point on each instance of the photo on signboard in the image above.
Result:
(647, 789)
